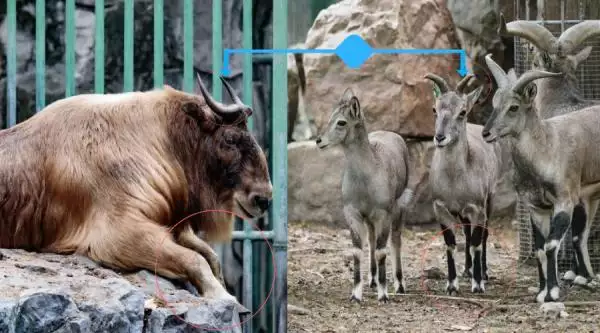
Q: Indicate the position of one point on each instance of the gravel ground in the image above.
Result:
(319, 288)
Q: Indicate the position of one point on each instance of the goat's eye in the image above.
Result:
(434, 111)
(513, 108)
(341, 123)
(462, 113)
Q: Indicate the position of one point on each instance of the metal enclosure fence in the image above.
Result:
(274, 313)
(588, 74)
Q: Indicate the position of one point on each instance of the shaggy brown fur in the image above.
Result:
(107, 176)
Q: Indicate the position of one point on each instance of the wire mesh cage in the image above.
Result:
(588, 75)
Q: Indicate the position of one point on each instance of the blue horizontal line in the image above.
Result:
(265, 51)
(419, 51)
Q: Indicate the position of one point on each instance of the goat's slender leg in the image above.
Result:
(396, 247)
(561, 219)
(477, 214)
(381, 222)
(146, 245)
(446, 219)
(583, 217)
(357, 232)
(468, 272)
(372, 261)
(540, 224)
(484, 253)
(188, 239)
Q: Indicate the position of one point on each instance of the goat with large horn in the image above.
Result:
(556, 169)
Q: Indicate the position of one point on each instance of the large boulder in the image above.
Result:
(391, 88)
(56, 293)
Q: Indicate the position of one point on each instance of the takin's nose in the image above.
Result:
(440, 137)
(261, 202)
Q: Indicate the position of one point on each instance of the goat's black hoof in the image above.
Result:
(355, 299)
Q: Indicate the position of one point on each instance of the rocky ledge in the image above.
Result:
(42, 293)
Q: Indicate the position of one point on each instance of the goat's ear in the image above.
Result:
(581, 56)
(355, 111)
(347, 95)
(474, 95)
(530, 91)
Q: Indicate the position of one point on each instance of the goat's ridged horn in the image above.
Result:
(576, 35)
(499, 74)
(529, 76)
(533, 32)
(214, 104)
(463, 83)
(441, 83)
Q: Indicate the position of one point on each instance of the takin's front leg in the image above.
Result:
(188, 239)
(476, 214)
(145, 245)
(561, 219)
(583, 217)
(445, 219)
(380, 220)
(357, 233)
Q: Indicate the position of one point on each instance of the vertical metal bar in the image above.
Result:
(541, 10)
(70, 48)
(158, 43)
(128, 46)
(518, 10)
(527, 3)
(99, 48)
(562, 16)
(581, 10)
(217, 47)
(188, 45)
(247, 95)
(279, 162)
(11, 62)
(40, 55)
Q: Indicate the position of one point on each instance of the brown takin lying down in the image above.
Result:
(108, 176)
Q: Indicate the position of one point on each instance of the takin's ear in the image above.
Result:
(530, 91)
(355, 111)
(581, 56)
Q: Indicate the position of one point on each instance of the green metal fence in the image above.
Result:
(277, 236)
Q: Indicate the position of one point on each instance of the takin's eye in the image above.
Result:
(341, 123)
(513, 108)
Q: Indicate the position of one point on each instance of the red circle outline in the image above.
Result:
(160, 295)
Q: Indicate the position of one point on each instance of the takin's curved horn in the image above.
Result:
(441, 83)
(577, 35)
(230, 91)
(497, 72)
(215, 105)
(529, 76)
(463, 83)
(538, 35)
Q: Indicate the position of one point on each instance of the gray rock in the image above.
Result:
(53, 293)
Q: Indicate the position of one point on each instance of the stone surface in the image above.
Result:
(390, 87)
(54, 293)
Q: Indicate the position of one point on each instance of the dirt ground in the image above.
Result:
(320, 284)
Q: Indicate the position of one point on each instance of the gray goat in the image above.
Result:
(373, 191)
(557, 163)
(463, 175)
(557, 96)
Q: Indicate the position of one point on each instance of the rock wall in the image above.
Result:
(55, 293)
(391, 88)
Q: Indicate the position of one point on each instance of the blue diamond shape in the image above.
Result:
(354, 51)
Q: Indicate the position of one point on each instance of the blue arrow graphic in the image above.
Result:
(353, 51)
